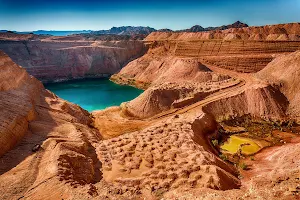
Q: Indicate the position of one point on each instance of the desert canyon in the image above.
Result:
(201, 89)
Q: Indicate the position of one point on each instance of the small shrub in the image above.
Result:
(223, 157)
(215, 142)
(252, 157)
(244, 166)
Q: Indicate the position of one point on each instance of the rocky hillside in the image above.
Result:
(15, 111)
(247, 49)
(53, 59)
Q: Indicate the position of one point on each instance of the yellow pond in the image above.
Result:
(247, 145)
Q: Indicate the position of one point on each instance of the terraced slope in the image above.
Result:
(240, 49)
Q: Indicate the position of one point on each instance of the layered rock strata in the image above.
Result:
(279, 32)
(247, 49)
(55, 59)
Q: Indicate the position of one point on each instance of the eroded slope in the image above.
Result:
(43, 139)
(52, 59)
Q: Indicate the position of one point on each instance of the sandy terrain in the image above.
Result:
(163, 143)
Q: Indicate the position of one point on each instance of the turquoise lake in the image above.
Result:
(94, 94)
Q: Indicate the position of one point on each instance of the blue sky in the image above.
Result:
(25, 15)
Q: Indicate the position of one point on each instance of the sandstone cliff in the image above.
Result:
(53, 59)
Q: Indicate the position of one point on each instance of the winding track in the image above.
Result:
(245, 81)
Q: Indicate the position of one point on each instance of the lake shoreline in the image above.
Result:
(93, 93)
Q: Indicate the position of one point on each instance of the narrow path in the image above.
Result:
(245, 81)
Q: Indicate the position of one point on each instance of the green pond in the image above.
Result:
(94, 94)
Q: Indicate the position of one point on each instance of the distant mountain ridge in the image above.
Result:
(142, 31)
(198, 28)
(126, 30)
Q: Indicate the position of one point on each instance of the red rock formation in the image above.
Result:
(163, 97)
(271, 94)
(261, 101)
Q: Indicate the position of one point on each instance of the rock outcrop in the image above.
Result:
(260, 101)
